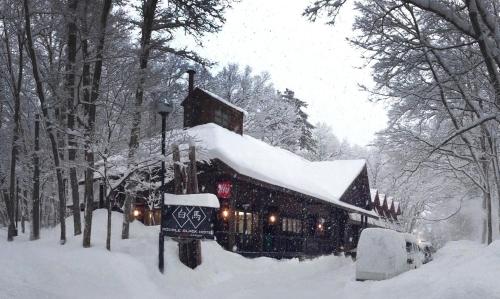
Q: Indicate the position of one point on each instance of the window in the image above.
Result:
(291, 225)
(245, 222)
(221, 118)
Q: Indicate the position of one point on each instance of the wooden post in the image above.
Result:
(17, 205)
(231, 238)
(24, 209)
(189, 250)
(193, 177)
(176, 157)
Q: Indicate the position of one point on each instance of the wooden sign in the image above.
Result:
(188, 222)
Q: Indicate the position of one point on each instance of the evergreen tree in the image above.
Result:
(301, 122)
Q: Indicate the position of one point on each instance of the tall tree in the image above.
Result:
(16, 81)
(49, 125)
(71, 99)
(195, 18)
(443, 81)
(91, 119)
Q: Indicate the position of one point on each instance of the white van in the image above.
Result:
(382, 254)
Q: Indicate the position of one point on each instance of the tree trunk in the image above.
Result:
(35, 214)
(89, 154)
(489, 219)
(17, 205)
(23, 211)
(148, 13)
(108, 205)
(15, 133)
(48, 124)
(10, 214)
(90, 108)
(69, 87)
(108, 227)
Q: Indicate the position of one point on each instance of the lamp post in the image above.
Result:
(164, 108)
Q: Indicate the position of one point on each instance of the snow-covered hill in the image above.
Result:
(44, 269)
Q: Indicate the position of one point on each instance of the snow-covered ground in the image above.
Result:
(44, 269)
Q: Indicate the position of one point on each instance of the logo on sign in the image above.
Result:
(197, 216)
(192, 215)
(224, 189)
(181, 215)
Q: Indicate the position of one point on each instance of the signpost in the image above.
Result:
(186, 218)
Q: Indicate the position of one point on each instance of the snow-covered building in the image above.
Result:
(386, 208)
(273, 202)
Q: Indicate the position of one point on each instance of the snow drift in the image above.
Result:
(45, 269)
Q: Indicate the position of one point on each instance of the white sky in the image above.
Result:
(313, 59)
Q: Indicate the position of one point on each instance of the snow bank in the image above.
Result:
(200, 199)
(44, 269)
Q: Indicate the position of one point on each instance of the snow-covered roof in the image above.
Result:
(197, 200)
(251, 157)
(389, 202)
(373, 194)
(222, 100)
(381, 198)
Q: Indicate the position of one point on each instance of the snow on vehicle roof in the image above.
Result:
(373, 194)
(251, 157)
(222, 100)
(196, 200)
(410, 238)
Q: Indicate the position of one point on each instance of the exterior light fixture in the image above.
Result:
(272, 219)
(225, 213)
(320, 226)
(161, 104)
(136, 213)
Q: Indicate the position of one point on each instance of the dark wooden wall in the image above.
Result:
(200, 109)
(358, 193)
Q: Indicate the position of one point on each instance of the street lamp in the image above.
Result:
(164, 108)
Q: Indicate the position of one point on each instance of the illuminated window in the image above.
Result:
(291, 225)
(242, 218)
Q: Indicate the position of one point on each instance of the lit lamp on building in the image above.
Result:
(272, 218)
(136, 213)
(225, 214)
(321, 224)
(164, 107)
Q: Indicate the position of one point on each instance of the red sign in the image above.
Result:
(224, 189)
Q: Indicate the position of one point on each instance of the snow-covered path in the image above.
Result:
(44, 269)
